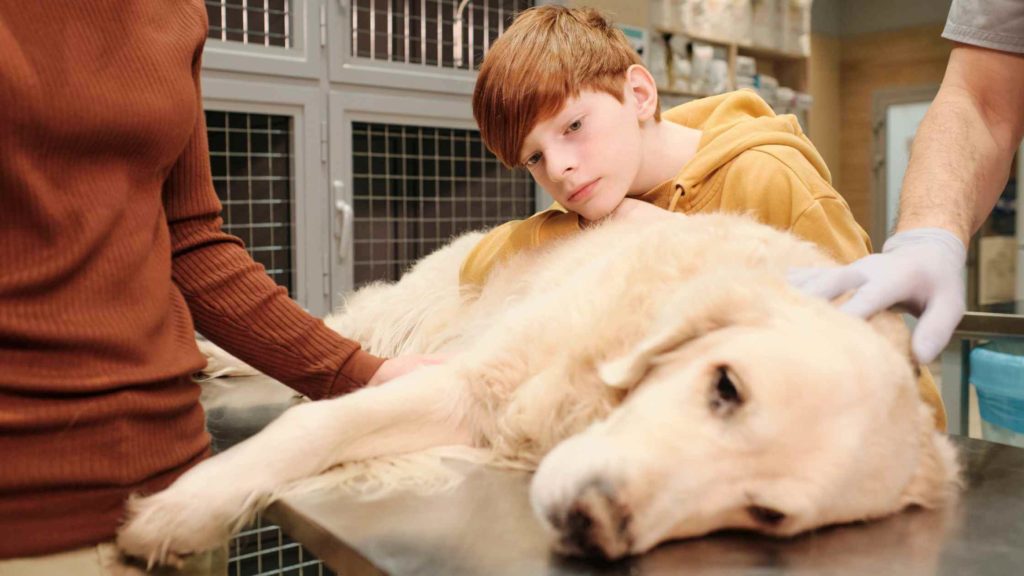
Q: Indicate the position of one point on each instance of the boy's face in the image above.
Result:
(588, 155)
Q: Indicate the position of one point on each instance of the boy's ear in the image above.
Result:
(641, 84)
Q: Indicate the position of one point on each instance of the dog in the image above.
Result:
(665, 382)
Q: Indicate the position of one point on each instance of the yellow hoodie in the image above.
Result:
(748, 161)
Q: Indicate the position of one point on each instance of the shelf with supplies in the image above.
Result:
(687, 66)
(699, 48)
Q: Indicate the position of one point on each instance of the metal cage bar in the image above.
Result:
(251, 164)
(259, 22)
(414, 188)
(430, 32)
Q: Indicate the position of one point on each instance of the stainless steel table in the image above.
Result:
(485, 527)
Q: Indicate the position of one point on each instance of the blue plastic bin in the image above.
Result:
(997, 373)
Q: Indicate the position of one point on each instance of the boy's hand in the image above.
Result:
(921, 269)
(631, 209)
(400, 365)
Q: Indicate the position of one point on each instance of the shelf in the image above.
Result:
(696, 37)
(744, 48)
(665, 91)
(765, 52)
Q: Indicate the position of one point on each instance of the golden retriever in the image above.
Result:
(665, 381)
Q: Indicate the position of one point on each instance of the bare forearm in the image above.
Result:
(956, 170)
(962, 152)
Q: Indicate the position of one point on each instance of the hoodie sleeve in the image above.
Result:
(511, 238)
(777, 186)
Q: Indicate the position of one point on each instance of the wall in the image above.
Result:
(859, 47)
(859, 17)
(631, 12)
(826, 17)
(824, 85)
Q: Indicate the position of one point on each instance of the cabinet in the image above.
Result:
(701, 48)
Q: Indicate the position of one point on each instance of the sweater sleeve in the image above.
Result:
(511, 238)
(232, 300)
(782, 190)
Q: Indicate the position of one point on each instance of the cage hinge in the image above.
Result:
(323, 25)
(323, 142)
(327, 275)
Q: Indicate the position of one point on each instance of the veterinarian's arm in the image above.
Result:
(233, 301)
(961, 155)
(959, 164)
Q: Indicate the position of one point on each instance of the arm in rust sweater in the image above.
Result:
(234, 303)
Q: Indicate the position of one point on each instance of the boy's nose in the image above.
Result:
(559, 167)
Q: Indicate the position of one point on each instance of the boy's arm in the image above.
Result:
(511, 238)
(829, 223)
(780, 188)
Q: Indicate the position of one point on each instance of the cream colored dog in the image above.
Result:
(665, 379)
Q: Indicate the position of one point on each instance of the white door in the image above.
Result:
(901, 121)
(408, 170)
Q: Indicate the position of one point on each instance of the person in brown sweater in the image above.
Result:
(111, 254)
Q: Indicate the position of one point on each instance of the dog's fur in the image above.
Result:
(665, 379)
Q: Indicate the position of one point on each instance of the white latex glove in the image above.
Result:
(920, 269)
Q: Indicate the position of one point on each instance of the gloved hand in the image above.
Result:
(920, 269)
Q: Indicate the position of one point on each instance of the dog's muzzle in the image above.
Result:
(595, 524)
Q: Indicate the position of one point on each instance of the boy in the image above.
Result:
(563, 94)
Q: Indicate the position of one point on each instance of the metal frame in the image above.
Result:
(310, 225)
(352, 70)
(384, 106)
(302, 60)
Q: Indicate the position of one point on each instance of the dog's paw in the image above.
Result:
(167, 527)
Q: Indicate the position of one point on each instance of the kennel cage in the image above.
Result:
(415, 188)
(414, 184)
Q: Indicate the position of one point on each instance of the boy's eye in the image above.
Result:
(575, 126)
(532, 160)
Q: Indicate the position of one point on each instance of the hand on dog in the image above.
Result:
(920, 269)
(401, 365)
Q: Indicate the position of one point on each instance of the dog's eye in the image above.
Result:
(765, 516)
(725, 398)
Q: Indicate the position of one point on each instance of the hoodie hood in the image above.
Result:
(733, 123)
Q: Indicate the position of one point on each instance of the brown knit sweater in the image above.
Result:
(110, 248)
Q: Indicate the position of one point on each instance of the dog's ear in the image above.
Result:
(891, 326)
(703, 306)
(937, 478)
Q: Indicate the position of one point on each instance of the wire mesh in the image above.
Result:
(430, 32)
(251, 164)
(417, 187)
(261, 549)
(260, 22)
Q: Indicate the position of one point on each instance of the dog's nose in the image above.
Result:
(596, 523)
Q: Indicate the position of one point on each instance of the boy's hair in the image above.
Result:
(548, 55)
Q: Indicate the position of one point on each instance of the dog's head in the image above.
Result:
(752, 407)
